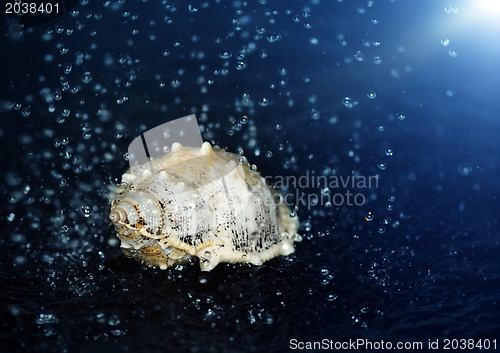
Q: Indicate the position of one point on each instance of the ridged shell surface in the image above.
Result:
(200, 202)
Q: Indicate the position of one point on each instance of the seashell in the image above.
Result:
(200, 202)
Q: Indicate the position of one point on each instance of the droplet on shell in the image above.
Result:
(203, 203)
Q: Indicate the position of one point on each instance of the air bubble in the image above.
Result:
(382, 165)
(369, 216)
(372, 94)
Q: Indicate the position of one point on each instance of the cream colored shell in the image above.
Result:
(200, 202)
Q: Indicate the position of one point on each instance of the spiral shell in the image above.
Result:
(200, 202)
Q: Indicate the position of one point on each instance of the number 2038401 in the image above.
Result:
(22, 8)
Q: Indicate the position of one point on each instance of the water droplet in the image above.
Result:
(465, 169)
(114, 320)
(25, 112)
(450, 9)
(389, 152)
(331, 297)
(359, 56)
(67, 68)
(44, 319)
(273, 37)
(86, 211)
(401, 116)
(382, 165)
(372, 94)
(225, 54)
(369, 216)
(86, 77)
(264, 102)
(347, 102)
(240, 65)
(445, 42)
(453, 53)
